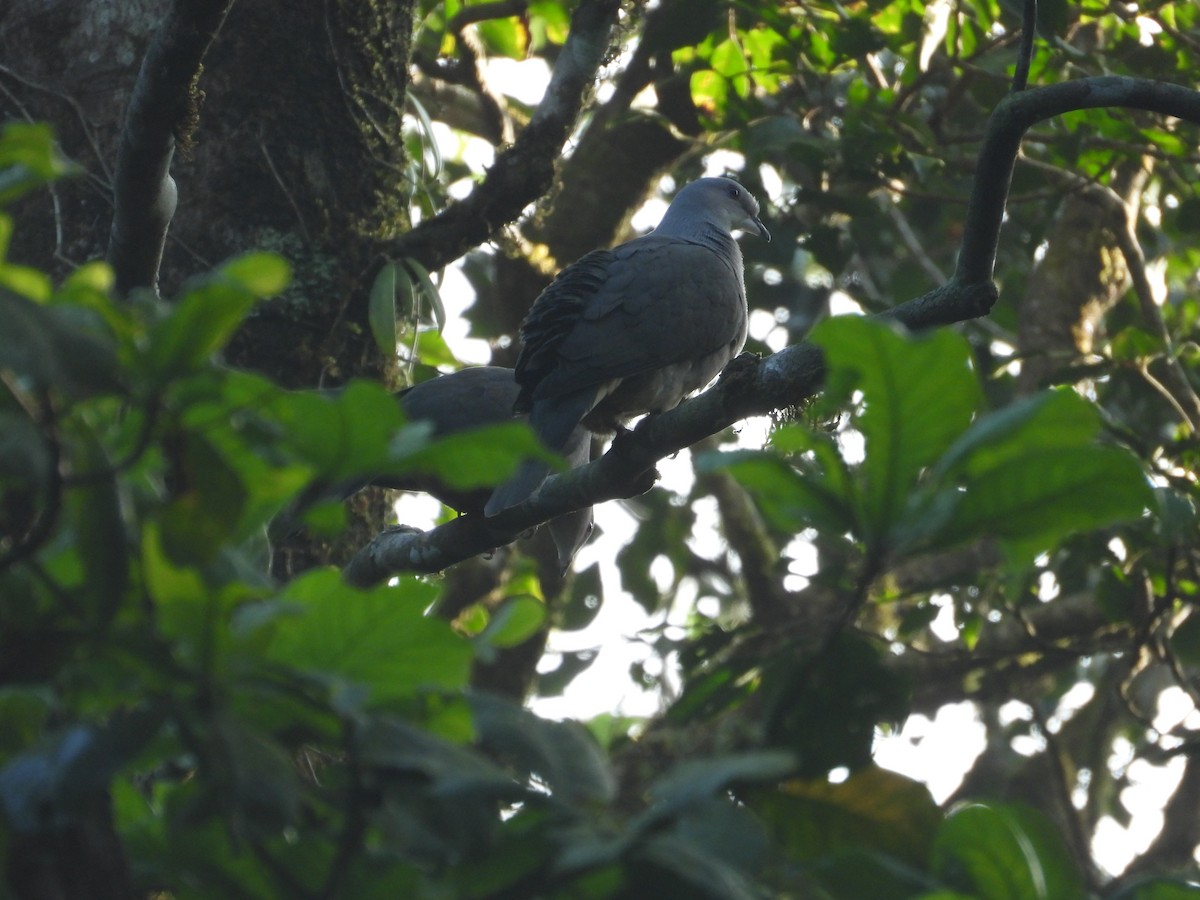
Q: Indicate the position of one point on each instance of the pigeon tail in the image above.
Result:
(553, 421)
(570, 532)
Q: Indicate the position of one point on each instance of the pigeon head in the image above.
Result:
(707, 202)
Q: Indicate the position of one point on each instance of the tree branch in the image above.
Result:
(525, 171)
(162, 111)
(1178, 390)
(751, 386)
(1019, 112)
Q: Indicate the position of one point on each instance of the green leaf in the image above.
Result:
(697, 873)
(478, 458)
(856, 37)
(95, 508)
(259, 780)
(211, 310)
(429, 290)
(189, 613)
(549, 21)
(1159, 889)
(25, 459)
(379, 639)
(24, 711)
(30, 158)
(358, 431)
(60, 347)
(261, 274)
(790, 500)
(873, 809)
(515, 621)
(1185, 639)
(1049, 420)
(1034, 500)
(381, 309)
(199, 325)
(428, 135)
(165, 581)
(207, 504)
(432, 350)
(1177, 515)
(387, 742)
(562, 755)
(729, 62)
(694, 781)
(1005, 852)
(709, 91)
(26, 281)
(918, 396)
(502, 37)
(826, 706)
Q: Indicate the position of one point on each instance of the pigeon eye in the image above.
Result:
(735, 193)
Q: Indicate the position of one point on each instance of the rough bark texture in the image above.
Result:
(298, 149)
(1079, 279)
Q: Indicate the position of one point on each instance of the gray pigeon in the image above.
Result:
(472, 398)
(637, 328)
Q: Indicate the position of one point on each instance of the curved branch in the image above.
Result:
(524, 171)
(1019, 112)
(161, 111)
(1025, 51)
(751, 386)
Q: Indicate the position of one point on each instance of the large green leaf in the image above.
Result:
(209, 313)
(379, 639)
(351, 433)
(1045, 421)
(61, 347)
(695, 781)
(95, 507)
(452, 770)
(208, 501)
(26, 462)
(514, 621)
(873, 809)
(30, 158)
(381, 308)
(825, 705)
(469, 459)
(679, 868)
(561, 755)
(918, 396)
(789, 499)
(1034, 500)
(1005, 852)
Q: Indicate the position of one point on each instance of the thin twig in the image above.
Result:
(524, 171)
(1025, 51)
(286, 193)
(1063, 787)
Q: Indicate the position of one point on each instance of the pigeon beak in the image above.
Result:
(754, 224)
